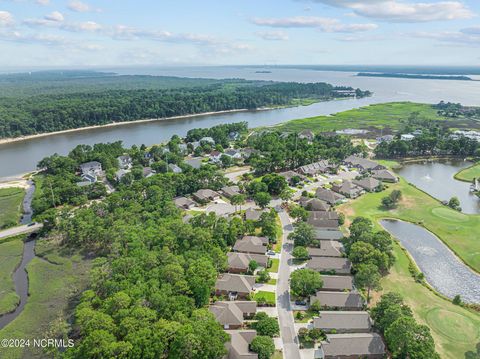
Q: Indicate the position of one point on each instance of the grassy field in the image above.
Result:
(269, 297)
(461, 232)
(10, 257)
(380, 116)
(456, 330)
(274, 267)
(468, 174)
(51, 287)
(10, 206)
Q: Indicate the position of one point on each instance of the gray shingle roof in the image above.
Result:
(325, 264)
(251, 244)
(354, 345)
(327, 249)
(239, 260)
(343, 320)
(338, 299)
(232, 313)
(337, 282)
(235, 283)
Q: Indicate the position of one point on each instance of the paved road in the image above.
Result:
(15, 231)
(285, 314)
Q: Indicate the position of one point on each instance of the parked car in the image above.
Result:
(270, 253)
(300, 302)
(31, 224)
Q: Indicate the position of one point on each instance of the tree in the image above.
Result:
(364, 253)
(252, 265)
(367, 276)
(263, 276)
(266, 326)
(316, 306)
(392, 199)
(262, 199)
(201, 277)
(275, 183)
(305, 282)
(263, 346)
(300, 252)
(286, 195)
(299, 213)
(388, 309)
(238, 200)
(457, 300)
(454, 203)
(407, 339)
(303, 235)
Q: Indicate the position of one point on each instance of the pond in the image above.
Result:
(443, 270)
(436, 178)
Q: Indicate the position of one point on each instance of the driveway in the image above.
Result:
(285, 313)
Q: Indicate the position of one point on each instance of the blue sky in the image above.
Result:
(187, 32)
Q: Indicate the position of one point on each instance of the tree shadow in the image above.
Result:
(473, 354)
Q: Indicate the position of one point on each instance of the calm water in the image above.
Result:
(23, 156)
(442, 269)
(436, 178)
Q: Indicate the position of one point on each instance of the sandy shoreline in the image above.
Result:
(113, 124)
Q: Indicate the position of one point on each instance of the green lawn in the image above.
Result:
(269, 297)
(386, 115)
(275, 264)
(455, 329)
(277, 247)
(10, 206)
(469, 173)
(461, 232)
(51, 287)
(10, 257)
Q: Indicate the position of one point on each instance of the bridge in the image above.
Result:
(23, 229)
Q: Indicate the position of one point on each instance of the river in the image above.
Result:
(21, 157)
(436, 178)
(441, 267)
(20, 276)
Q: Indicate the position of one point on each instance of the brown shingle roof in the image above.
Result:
(251, 244)
(353, 345)
(233, 313)
(328, 196)
(238, 260)
(327, 249)
(235, 283)
(324, 264)
(343, 320)
(337, 283)
(338, 299)
(239, 345)
(368, 183)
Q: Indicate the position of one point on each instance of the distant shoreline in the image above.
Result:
(416, 76)
(4, 141)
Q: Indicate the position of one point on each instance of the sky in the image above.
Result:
(49, 33)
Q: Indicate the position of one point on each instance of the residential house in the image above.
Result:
(120, 174)
(328, 235)
(239, 345)
(324, 224)
(348, 189)
(314, 204)
(215, 156)
(369, 184)
(292, 177)
(328, 196)
(247, 152)
(386, 138)
(326, 249)
(338, 300)
(184, 203)
(252, 214)
(233, 153)
(148, 172)
(87, 180)
(354, 345)
(230, 191)
(338, 265)
(205, 195)
(183, 148)
(196, 162)
(194, 144)
(363, 164)
(238, 262)
(174, 168)
(234, 285)
(407, 137)
(251, 244)
(343, 321)
(307, 134)
(233, 136)
(337, 283)
(209, 140)
(315, 168)
(124, 162)
(92, 168)
(318, 215)
(231, 315)
(384, 176)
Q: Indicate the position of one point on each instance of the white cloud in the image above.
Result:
(321, 23)
(46, 39)
(79, 6)
(401, 11)
(467, 37)
(55, 16)
(6, 19)
(272, 35)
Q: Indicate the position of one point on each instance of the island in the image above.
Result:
(416, 76)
